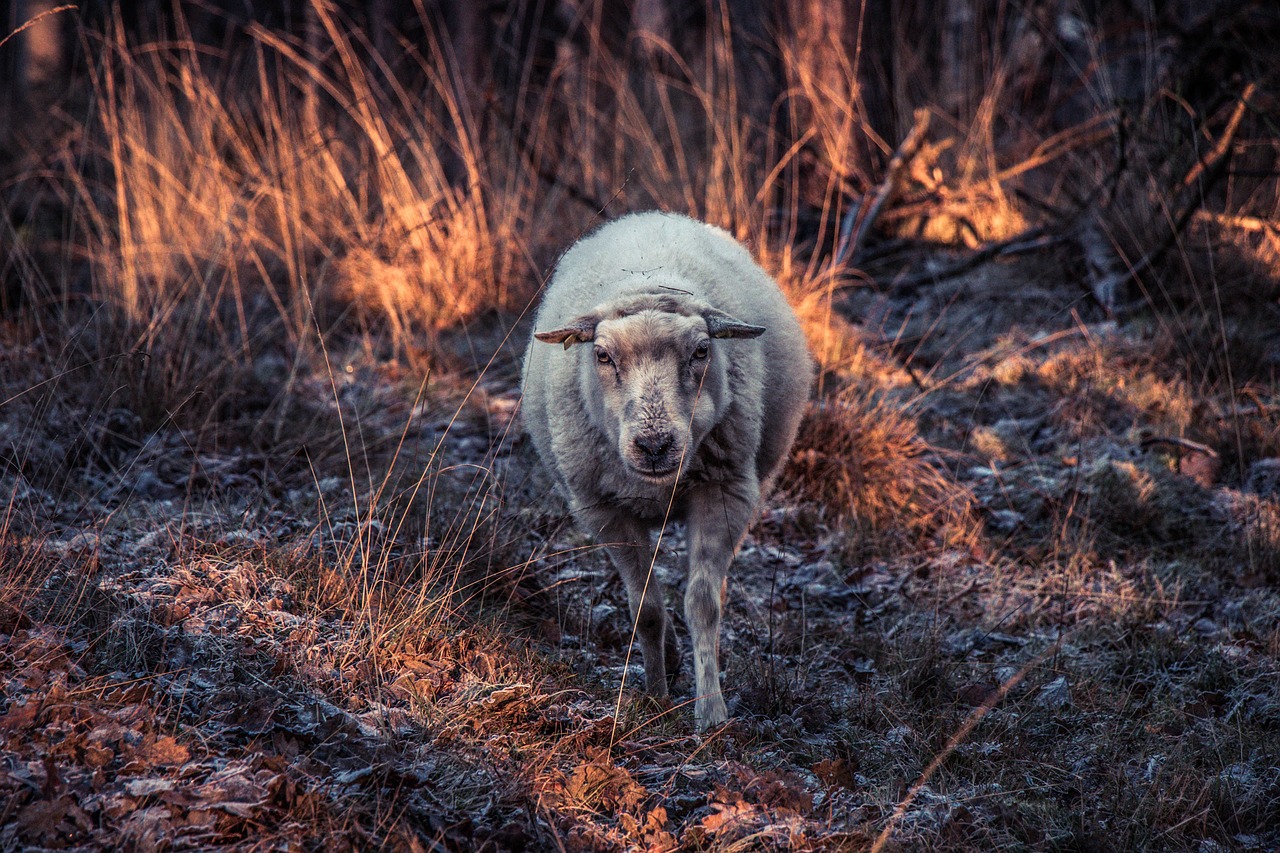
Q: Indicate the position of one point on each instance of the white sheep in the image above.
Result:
(676, 395)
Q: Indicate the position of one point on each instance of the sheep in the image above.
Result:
(676, 393)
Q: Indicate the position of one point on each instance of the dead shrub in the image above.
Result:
(1126, 500)
(861, 461)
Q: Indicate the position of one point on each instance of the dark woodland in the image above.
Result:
(279, 569)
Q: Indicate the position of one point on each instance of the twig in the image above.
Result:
(1061, 143)
(1228, 135)
(851, 240)
(1244, 223)
(37, 19)
(1199, 179)
(1031, 240)
(1249, 412)
(1269, 229)
(1040, 237)
(1180, 443)
(958, 738)
(1197, 182)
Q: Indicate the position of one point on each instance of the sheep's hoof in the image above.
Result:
(710, 712)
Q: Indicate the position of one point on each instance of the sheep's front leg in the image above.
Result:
(630, 549)
(718, 517)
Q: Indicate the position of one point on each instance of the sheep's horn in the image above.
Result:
(580, 330)
(721, 325)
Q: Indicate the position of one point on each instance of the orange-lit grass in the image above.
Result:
(223, 192)
(861, 463)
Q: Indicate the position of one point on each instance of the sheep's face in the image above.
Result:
(655, 381)
(656, 388)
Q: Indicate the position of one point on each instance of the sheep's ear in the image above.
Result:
(578, 331)
(721, 325)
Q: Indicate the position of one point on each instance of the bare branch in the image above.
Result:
(1031, 240)
(851, 240)
(1220, 149)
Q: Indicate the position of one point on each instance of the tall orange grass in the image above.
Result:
(219, 186)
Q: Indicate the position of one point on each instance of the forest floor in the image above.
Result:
(1018, 590)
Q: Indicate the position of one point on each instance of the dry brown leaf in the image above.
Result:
(165, 752)
(725, 815)
(20, 717)
(12, 618)
(977, 693)
(774, 790)
(97, 756)
(39, 819)
(236, 789)
(599, 783)
(836, 771)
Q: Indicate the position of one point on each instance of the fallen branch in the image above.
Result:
(1032, 240)
(1196, 184)
(1104, 284)
(1268, 412)
(851, 240)
(1269, 229)
(1243, 223)
(1083, 135)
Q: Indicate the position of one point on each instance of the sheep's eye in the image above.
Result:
(603, 357)
(701, 350)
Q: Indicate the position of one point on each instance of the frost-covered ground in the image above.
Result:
(1018, 591)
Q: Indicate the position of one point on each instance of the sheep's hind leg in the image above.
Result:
(632, 554)
(718, 518)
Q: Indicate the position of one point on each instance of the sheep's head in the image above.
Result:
(654, 376)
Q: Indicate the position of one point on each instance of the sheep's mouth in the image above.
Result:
(656, 475)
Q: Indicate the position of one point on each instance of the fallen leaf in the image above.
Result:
(236, 790)
(20, 717)
(12, 618)
(1210, 703)
(1055, 694)
(165, 751)
(147, 829)
(147, 787)
(97, 756)
(977, 693)
(39, 819)
(835, 771)
(725, 815)
(256, 718)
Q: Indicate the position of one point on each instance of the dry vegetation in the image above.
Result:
(279, 571)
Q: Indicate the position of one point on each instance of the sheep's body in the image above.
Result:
(651, 419)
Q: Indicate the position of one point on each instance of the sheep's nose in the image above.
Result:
(654, 447)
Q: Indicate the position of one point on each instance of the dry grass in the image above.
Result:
(863, 464)
(221, 194)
